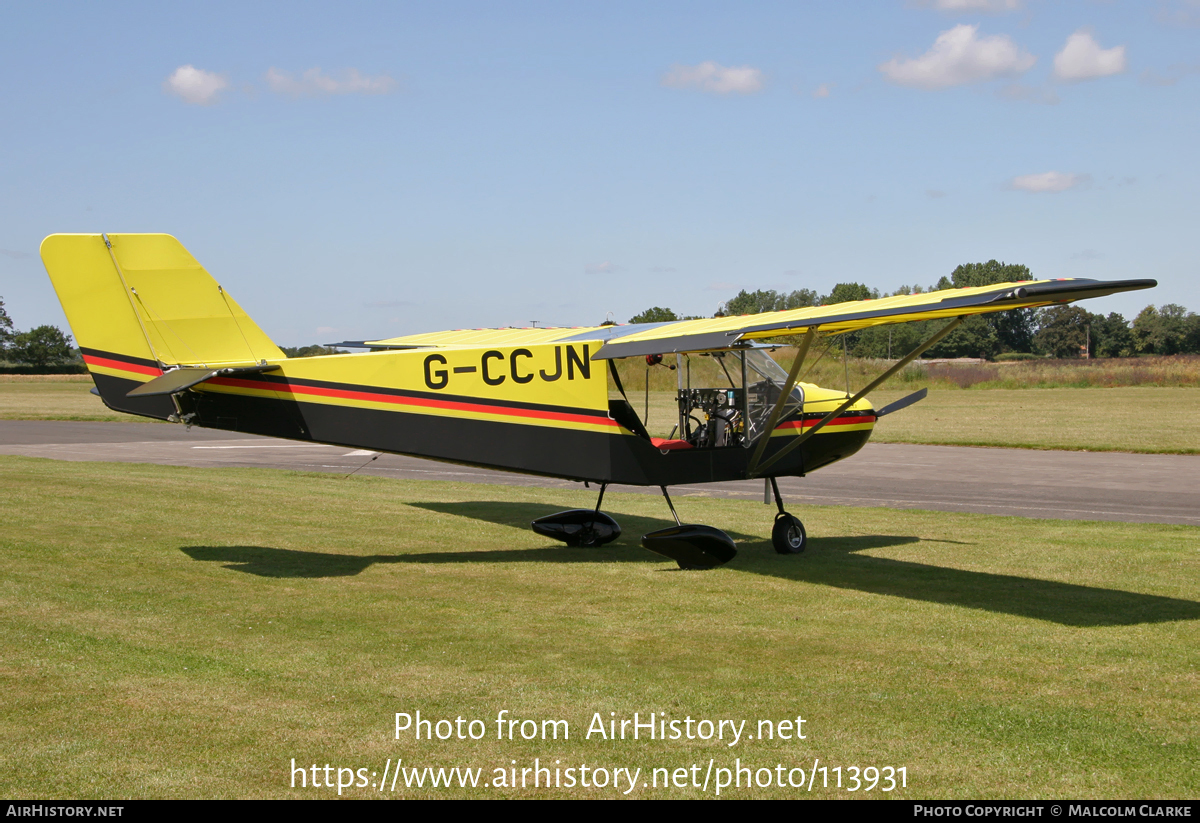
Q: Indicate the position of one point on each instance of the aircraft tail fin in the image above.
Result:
(139, 305)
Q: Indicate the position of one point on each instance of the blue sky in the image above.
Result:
(368, 170)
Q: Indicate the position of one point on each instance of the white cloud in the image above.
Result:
(1082, 58)
(314, 82)
(601, 268)
(823, 90)
(713, 77)
(663, 269)
(325, 329)
(195, 85)
(958, 57)
(1048, 181)
(984, 6)
(15, 255)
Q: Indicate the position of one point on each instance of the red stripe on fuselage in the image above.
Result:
(449, 405)
(105, 362)
(837, 421)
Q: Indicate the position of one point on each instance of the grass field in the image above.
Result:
(1150, 419)
(1139, 419)
(52, 397)
(178, 632)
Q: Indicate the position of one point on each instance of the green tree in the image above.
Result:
(1111, 336)
(894, 340)
(1162, 331)
(1015, 328)
(756, 302)
(970, 275)
(798, 299)
(6, 330)
(751, 302)
(310, 351)
(846, 292)
(1062, 331)
(43, 346)
(1191, 340)
(655, 315)
(974, 338)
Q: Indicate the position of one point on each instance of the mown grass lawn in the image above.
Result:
(173, 632)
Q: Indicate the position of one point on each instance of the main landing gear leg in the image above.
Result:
(691, 546)
(787, 535)
(581, 528)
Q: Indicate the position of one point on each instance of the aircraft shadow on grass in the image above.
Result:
(829, 561)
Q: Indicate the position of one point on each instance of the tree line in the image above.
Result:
(43, 346)
(1057, 331)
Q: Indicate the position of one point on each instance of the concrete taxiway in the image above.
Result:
(1139, 488)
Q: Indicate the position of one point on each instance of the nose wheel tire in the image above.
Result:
(788, 534)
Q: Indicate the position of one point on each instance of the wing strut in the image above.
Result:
(908, 358)
(788, 385)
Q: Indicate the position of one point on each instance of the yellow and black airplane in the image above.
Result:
(162, 339)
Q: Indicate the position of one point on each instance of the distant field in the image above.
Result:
(1134, 419)
(52, 397)
(1151, 420)
(178, 632)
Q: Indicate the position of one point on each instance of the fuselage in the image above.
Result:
(537, 409)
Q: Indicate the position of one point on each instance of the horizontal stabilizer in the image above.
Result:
(903, 403)
(178, 380)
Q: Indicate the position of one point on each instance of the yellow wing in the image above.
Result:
(725, 332)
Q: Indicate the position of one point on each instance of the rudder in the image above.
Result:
(140, 304)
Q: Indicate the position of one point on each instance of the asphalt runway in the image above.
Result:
(1137, 488)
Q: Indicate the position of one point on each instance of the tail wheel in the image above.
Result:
(788, 534)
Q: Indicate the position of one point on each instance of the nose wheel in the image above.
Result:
(787, 535)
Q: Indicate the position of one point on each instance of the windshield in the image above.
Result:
(764, 381)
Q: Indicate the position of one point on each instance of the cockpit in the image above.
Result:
(736, 414)
(723, 399)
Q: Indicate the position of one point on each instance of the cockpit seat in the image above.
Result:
(669, 445)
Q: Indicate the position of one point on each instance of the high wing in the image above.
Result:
(725, 332)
